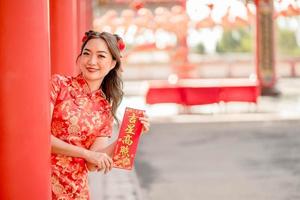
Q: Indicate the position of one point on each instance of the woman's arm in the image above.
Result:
(60, 147)
(101, 160)
(98, 159)
(101, 145)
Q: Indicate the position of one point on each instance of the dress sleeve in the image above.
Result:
(106, 130)
(55, 86)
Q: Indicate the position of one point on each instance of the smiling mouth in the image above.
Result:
(90, 69)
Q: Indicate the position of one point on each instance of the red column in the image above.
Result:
(64, 36)
(85, 15)
(89, 14)
(24, 100)
(265, 48)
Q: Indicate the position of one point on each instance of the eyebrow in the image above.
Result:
(96, 51)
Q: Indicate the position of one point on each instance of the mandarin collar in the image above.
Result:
(80, 80)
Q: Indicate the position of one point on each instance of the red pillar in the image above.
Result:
(265, 48)
(89, 14)
(64, 36)
(24, 100)
(181, 65)
(85, 16)
(183, 40)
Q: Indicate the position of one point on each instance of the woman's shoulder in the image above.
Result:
(60, 79)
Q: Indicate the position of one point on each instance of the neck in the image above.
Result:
(94, 85)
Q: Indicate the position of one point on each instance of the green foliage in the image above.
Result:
(200, 48)
(287, 43)
(239, 40)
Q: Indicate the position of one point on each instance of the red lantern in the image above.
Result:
(136, 5)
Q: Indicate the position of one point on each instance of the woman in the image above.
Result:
(83, 111)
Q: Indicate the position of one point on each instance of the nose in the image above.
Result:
(93, 60)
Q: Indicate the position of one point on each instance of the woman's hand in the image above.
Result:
(91, 167)
(99, 160)
(146, 123)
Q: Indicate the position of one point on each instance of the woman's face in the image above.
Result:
(96, 60)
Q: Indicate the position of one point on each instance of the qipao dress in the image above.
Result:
(79, 117)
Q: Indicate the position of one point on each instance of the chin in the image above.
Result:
(92, 76)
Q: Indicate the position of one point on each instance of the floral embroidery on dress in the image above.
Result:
(79, 117)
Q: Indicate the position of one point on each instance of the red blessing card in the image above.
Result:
(128, 139)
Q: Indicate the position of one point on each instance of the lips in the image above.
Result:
(90, 69)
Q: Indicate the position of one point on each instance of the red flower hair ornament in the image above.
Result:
(84, 38)
(121, 45)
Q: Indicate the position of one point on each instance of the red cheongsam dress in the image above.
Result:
(79, 117)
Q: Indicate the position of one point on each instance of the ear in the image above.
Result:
(113, 64)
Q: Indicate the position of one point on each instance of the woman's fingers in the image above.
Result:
(146, 128)
(91, 167)
(106, 163)
(146, 123)
(145, 119)
(99, 169)
(101, 160)
(103, 166)
(107, 166)
(110, 163)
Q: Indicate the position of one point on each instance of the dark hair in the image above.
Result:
(112, 84)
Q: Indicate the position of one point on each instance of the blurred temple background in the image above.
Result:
(220, 82)
(178, 51)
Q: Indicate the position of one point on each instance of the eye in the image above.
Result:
(101, 56)
(85, 53)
